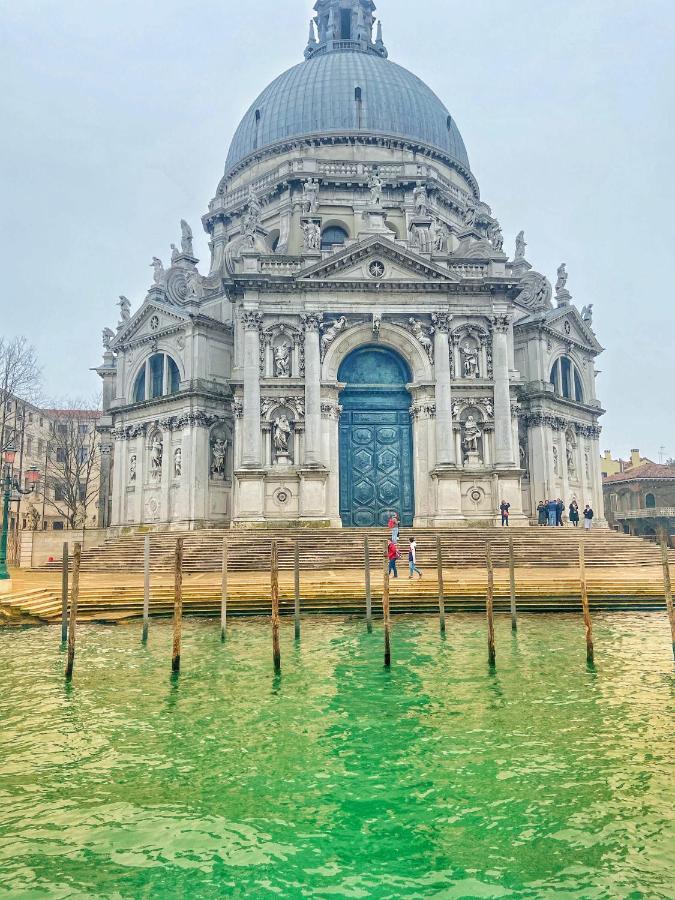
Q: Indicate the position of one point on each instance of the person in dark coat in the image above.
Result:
(559, 510)
(504, 508)
(574, 513)
(552, 508)
(588, 517)
(541, 513)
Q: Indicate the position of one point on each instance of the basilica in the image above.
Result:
(361, 339)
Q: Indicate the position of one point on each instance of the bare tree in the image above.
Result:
(20, 378)
(73, 462)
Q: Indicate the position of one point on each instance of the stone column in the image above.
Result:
(251, 449)
(119, 476)
(445, 443)
(500, 363)
(312, 391)
(166, 513)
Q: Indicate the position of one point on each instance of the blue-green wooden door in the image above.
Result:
(375, 439)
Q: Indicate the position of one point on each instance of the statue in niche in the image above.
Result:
(422, 336)
(456, 409)
(520, 245)
(125, 310)
(158, 274)
(470, 366)
(562, 278)
(523, 456)
(281, 436)
(472, 435)
(310, 196)
(186, 238)
(107, 335)
(587, 314)
(132, 468)
(569, 451)
(470, 213)
(156, 453)
(312, 236)
(375, 185)
(282, 360)
(442, 237)
(556, 461)
(495, 236)
(177, 462)
(218, 451)
(330, 331)
(421, 200)
(175, 253)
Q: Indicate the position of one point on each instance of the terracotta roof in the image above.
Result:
(648, 472)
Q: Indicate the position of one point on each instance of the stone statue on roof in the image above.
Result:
(186, 238)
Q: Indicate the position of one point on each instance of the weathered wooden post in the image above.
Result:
(588, 625)
(274, 584)
(146, 588)
(223, 592)
(385, 609)
(489, 604)
(64, 594)
(74, 597)
(441, 588)
(512, 585)
(667, 587)
(369, 598)
(177, 606)
(296, 585)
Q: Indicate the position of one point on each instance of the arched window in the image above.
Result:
(158, 377)
(566, 380)
(333, 237)
(650, 501)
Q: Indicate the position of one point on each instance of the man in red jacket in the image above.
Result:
(392, 555)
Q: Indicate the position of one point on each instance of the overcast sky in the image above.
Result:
(117, 115)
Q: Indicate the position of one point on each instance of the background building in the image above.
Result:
(611, 466)
(362, 342)
(641, 500)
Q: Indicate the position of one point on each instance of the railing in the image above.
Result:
(660, 512)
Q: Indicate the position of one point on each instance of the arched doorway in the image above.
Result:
(375, 439)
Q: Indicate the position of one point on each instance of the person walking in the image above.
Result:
(393, 555)
(541, 513)
(574, 513)
(504, 508)
(551, 507)
(412, 558)
(394, 525)
(588, 517)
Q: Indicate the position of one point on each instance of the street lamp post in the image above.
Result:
(8, 484)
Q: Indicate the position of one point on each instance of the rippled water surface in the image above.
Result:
(340, 779)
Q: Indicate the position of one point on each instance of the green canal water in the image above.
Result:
(340, 779)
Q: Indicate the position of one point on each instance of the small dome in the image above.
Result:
(347, 92)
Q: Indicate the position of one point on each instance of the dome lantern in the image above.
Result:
(345, 25)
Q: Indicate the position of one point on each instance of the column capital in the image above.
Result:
(501, 324)
(312, 322)
(251, 319)
(441, 321)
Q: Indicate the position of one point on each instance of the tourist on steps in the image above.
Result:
(541, 513)
(412, 558)
(559, 510)
(552, 509)
(393, 555)
(504, 508)
(574, 513)
(394, 525)
(588, 517)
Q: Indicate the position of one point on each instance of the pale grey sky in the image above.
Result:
(117, 114)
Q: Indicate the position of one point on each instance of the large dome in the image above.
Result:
(320, 96)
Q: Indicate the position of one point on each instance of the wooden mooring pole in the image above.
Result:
(146, 588)
(385, 609)
(74, 597)
(177, 606)
(512, 585)
(274, 584)
(223, 592)
(588, 624)
(296, 586)
(489, 604)
(667, 588)
(369, 598)
(64, 594)
(441, 587)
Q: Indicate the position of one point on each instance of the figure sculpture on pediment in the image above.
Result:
(107, 335)
(281, 437)
(421, 200)
(470, 366)
(422, 335)
(330, 331)
(177, 462)
(310, 196)
(125, 310)
(156, 453)
(587, 314)
(312, 236)
(186, 238)
(175, 253)
(562, 278)
(442, 237)
(218, 452)
(375, 185)
(282, 360)
(495, 236)
(159, 275)
(520, 245)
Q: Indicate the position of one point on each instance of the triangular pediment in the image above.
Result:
(152, 320)
(567, 324)
(376, 260)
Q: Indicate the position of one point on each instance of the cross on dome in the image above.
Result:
(344, 25)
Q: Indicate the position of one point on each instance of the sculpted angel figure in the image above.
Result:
(520, 245)
(442, 238)
(186, 238)
(562, 278)
(107, 334)
(158, 267)
(125, 309)
(194, 284)
(282, 433)
(587, 314)
(175, 253)
(312, 234)
(470, 213)
(421, 334)
(495, 236)
(330, 332)
(282, 360)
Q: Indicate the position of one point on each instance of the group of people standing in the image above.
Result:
(394, 554)
(551, 512)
